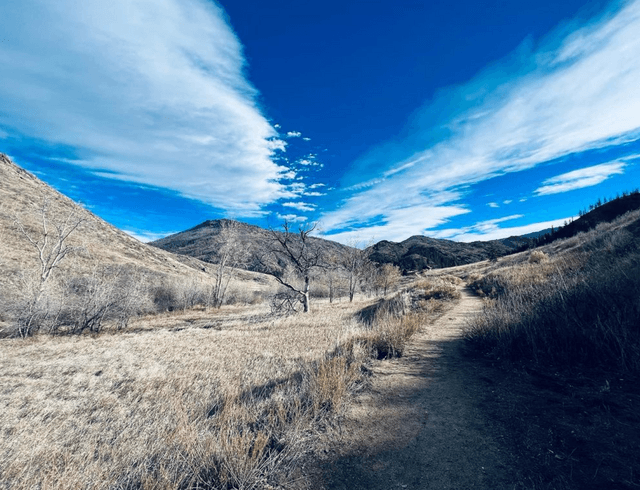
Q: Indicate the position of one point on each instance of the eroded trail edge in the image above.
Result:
(422, 423)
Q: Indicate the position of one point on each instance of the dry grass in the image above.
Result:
(226, 399)
(568, 324)
(97, 243)
(568, 305)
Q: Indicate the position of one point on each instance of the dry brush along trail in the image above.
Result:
(421, 424)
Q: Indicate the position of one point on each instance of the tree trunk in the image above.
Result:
(305, 295)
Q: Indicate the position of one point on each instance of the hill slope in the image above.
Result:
(603, 213)
(98, 242)
(204, 240)
(421, 252)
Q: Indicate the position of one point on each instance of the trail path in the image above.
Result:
(422, 424)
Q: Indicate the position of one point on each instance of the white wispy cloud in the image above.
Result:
(399, 224)
(291, 218)
(577, 179)
(507, 201)
(306, 139)
(151, 90)
(294, 134)
(574, 93)
(309, 161)
(300, 206)
(493, 205)
(147, 236)
(490, 229)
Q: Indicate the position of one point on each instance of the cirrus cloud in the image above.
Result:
(574, 93)
(148, 91)
(577, 179)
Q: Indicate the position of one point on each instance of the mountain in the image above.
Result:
(416, 253)
(205, 240)
(421, 252)
(97, 243)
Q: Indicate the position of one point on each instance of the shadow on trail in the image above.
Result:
(424, 424)
(446, 417)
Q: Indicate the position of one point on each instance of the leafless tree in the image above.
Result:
(334, 279)
(354, 260)
(50, 242)
(231, 255)
(292, 255)
(387, 276)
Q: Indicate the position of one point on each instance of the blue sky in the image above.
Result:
(459, 120)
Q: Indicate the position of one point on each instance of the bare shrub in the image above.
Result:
(39, 308)
(285, 303)
(537, 256)
(190, 293)
(438, 288)
(107, 294)
(50, 245)
(165, 297)
(242, 296)
(455, 280)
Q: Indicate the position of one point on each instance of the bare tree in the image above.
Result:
(292, 256)
(354, 260)
(50, 242)
(231, 255)
(387, 276)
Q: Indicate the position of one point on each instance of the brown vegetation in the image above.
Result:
(563, 320)
(227, 399)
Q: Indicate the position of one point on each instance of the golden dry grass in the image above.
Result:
(223, 399)
(571, 303)
(98, 243)
(171, 403)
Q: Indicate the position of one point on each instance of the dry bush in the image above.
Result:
(384, 309)
(455, 280)
(537, 256)
(242, 296)
(389, 337)
(438, 288)
(578, 308)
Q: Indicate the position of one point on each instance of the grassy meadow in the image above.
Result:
(227, 398)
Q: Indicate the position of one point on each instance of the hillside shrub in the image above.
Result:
(537, 256)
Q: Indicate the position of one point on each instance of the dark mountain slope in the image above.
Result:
(603, 213)
(205, 240)
(421, 252)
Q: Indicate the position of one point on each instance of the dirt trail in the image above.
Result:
(422, 423)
